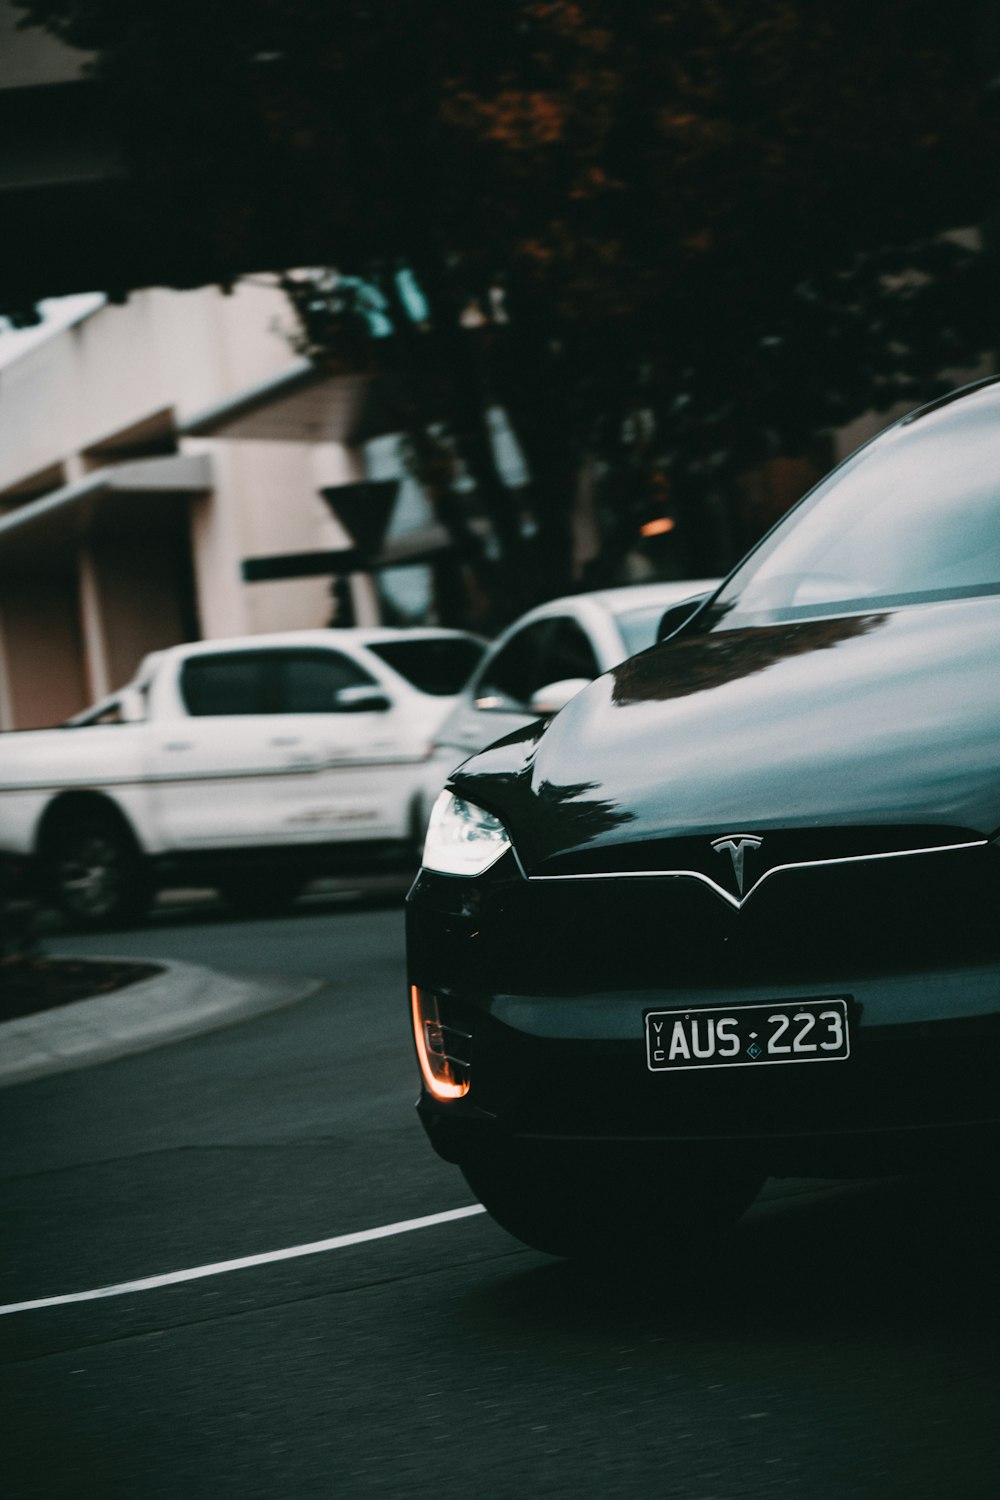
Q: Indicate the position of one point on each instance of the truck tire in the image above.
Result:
(93, 871)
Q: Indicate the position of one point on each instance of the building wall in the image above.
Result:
(122, 382)
(160, 351)
(265, 501)
(139, 582)
(41, 657)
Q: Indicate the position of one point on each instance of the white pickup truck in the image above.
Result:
(250, 764)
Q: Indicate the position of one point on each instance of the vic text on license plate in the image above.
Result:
(719, 1036)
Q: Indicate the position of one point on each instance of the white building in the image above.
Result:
(146, 452)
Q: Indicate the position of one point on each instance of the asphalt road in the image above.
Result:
(843, 1345)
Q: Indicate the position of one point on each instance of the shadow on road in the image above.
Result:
(815, 1264)
(840, 1346)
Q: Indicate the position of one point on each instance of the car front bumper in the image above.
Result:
(549, 985)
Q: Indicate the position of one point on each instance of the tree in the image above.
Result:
(692, 234)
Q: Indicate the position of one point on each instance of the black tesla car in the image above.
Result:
(735, 911)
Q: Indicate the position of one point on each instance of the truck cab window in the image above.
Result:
(235, 683)
(308, 681)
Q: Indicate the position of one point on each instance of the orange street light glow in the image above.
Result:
(659, 527)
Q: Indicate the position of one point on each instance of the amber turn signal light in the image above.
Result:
(445, 1075)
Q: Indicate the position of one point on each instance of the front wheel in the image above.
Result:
(93, 871)
(596, 1202)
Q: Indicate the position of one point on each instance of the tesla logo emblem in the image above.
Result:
(736, 846)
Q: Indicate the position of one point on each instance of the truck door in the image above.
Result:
(359, 734)
(224, 774)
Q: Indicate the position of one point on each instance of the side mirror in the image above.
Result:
(678, 615)
(361, 700)
(555, 695)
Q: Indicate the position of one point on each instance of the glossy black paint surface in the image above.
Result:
(860, 754)
(885, 719)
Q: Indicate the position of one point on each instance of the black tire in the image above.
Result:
(589, 1202)
(262, 893)
(93, 870)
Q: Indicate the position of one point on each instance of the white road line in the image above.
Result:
(221, 1267)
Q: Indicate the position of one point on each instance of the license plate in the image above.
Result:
(748, 1036)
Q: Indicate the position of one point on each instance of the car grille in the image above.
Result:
(808, 922)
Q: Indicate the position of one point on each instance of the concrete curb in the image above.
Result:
(184, 1001)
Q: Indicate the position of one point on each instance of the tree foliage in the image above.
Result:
(690, 234)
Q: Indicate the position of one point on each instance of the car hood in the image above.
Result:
(885, 718)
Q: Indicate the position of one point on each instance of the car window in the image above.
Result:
(440, 666)
(566, 653)
(233, 683)
(506, 681)
(915, 515)
(542, 652)
(308, 681)
(269, 682)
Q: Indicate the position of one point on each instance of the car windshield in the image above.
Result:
(914, 516)
(439, 665)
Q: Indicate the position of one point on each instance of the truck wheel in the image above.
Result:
(588, 1204)
(93, 871)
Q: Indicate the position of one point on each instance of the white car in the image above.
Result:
(544, 659)
(251, 764)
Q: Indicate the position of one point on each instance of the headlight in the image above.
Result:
(462, 839)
